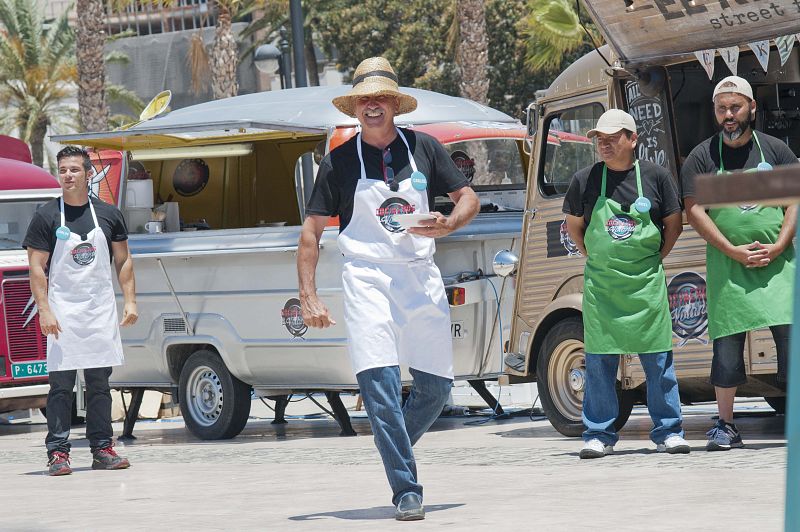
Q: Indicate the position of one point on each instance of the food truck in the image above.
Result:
(661, 64)
(213, 196)
(23, 349)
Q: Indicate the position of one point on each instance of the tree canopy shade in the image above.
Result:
(37, 69)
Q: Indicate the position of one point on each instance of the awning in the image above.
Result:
(660, 31)
(288, 113)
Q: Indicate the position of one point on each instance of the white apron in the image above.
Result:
(81, 296)
(395, 304)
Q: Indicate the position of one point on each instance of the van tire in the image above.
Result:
(560, 369)
(778, 404)
(215, 405)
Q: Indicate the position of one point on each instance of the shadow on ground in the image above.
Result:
(368, 514)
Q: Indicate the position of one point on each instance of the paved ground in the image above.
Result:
(516, 474)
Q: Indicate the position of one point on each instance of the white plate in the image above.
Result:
(407, 221)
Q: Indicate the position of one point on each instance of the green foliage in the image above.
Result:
(554, 34)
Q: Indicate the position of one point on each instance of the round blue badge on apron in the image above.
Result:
(764, 166)
(62, 233)
(419, 181)
(642, 204)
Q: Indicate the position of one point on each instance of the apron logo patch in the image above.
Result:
(687, 304)
(83, 254)
(620, 226)
(464, 163)
(292, 318)
(388, 209)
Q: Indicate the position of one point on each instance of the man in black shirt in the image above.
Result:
(71, 243)
(750, 259)
(625, 217)
(382, 184)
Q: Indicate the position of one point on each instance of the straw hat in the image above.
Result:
(374, 77)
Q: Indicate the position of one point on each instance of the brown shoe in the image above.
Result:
(58, 464)
(107, 458)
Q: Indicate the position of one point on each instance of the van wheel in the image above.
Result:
(215, 405)
(561, 376)
(778, 404)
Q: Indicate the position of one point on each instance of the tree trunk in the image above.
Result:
(89, 52)
(37, 141)
(472, 56)
(311, 59)
(224, 57)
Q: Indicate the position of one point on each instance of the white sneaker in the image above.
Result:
(674, 444)
(594, 448)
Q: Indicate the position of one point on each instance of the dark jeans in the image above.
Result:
(397, 428)
(727, 366)
(98, 409)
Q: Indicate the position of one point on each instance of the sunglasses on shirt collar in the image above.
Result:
(388, 171)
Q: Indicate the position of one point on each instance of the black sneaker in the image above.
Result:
(724, 437)
(58, 464)
(409, 508)
(107, 458)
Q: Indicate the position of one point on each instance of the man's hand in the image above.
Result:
(770, 253)
(48, 323)
(440, 226)
(750, 255)
(129, 314)
(315, 313)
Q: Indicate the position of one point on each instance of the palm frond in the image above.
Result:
(117, 57)
(120, 95)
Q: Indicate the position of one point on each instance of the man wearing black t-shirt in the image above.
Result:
(382, 185)
(71, 244)
(750, 258)
(624, 216)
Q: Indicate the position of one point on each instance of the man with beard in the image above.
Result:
(395, 305)
(749, 253)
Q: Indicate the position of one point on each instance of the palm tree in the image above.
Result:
(472, 54)
(224, 56)
(554, 32)
(37, 68)
(89, 51)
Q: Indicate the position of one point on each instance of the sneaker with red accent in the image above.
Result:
(108, 459)
(58, 464)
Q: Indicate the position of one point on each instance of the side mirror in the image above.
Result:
(505, 263)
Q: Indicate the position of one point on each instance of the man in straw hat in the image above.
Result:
(750, 258)
(396, 309)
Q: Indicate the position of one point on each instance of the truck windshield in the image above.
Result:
(14, 220)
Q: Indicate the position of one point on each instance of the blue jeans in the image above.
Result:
(396, 429)
(600, 407)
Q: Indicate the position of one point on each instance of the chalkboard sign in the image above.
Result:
(654, 128)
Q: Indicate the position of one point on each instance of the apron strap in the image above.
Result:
(91, 208)
(361, 156)
(638, 180)
(758, 145)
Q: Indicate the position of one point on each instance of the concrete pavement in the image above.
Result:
(502, 475)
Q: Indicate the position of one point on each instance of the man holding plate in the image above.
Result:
(396, 309)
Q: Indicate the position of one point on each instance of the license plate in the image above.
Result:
(26, 370)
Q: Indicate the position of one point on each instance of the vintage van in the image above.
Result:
(216, 282)
(649, 69)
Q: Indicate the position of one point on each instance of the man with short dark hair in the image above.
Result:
(396, 309)
(624, 215)
(750, 258)
(71, 244)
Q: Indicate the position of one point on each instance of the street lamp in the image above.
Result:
(272, 59)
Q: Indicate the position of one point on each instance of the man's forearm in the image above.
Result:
(127, 280)
(39, 288)
(464, 211)
(705, 227)
(673, 228)
(307, 258)
(788, 228)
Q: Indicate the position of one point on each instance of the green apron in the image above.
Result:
(625, 307)
(739, 298)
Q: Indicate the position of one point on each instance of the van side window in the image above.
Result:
(567, 149)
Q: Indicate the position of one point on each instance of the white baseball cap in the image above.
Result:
(733, 84)
(612, 121)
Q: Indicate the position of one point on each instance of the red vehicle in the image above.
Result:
(23, 349)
